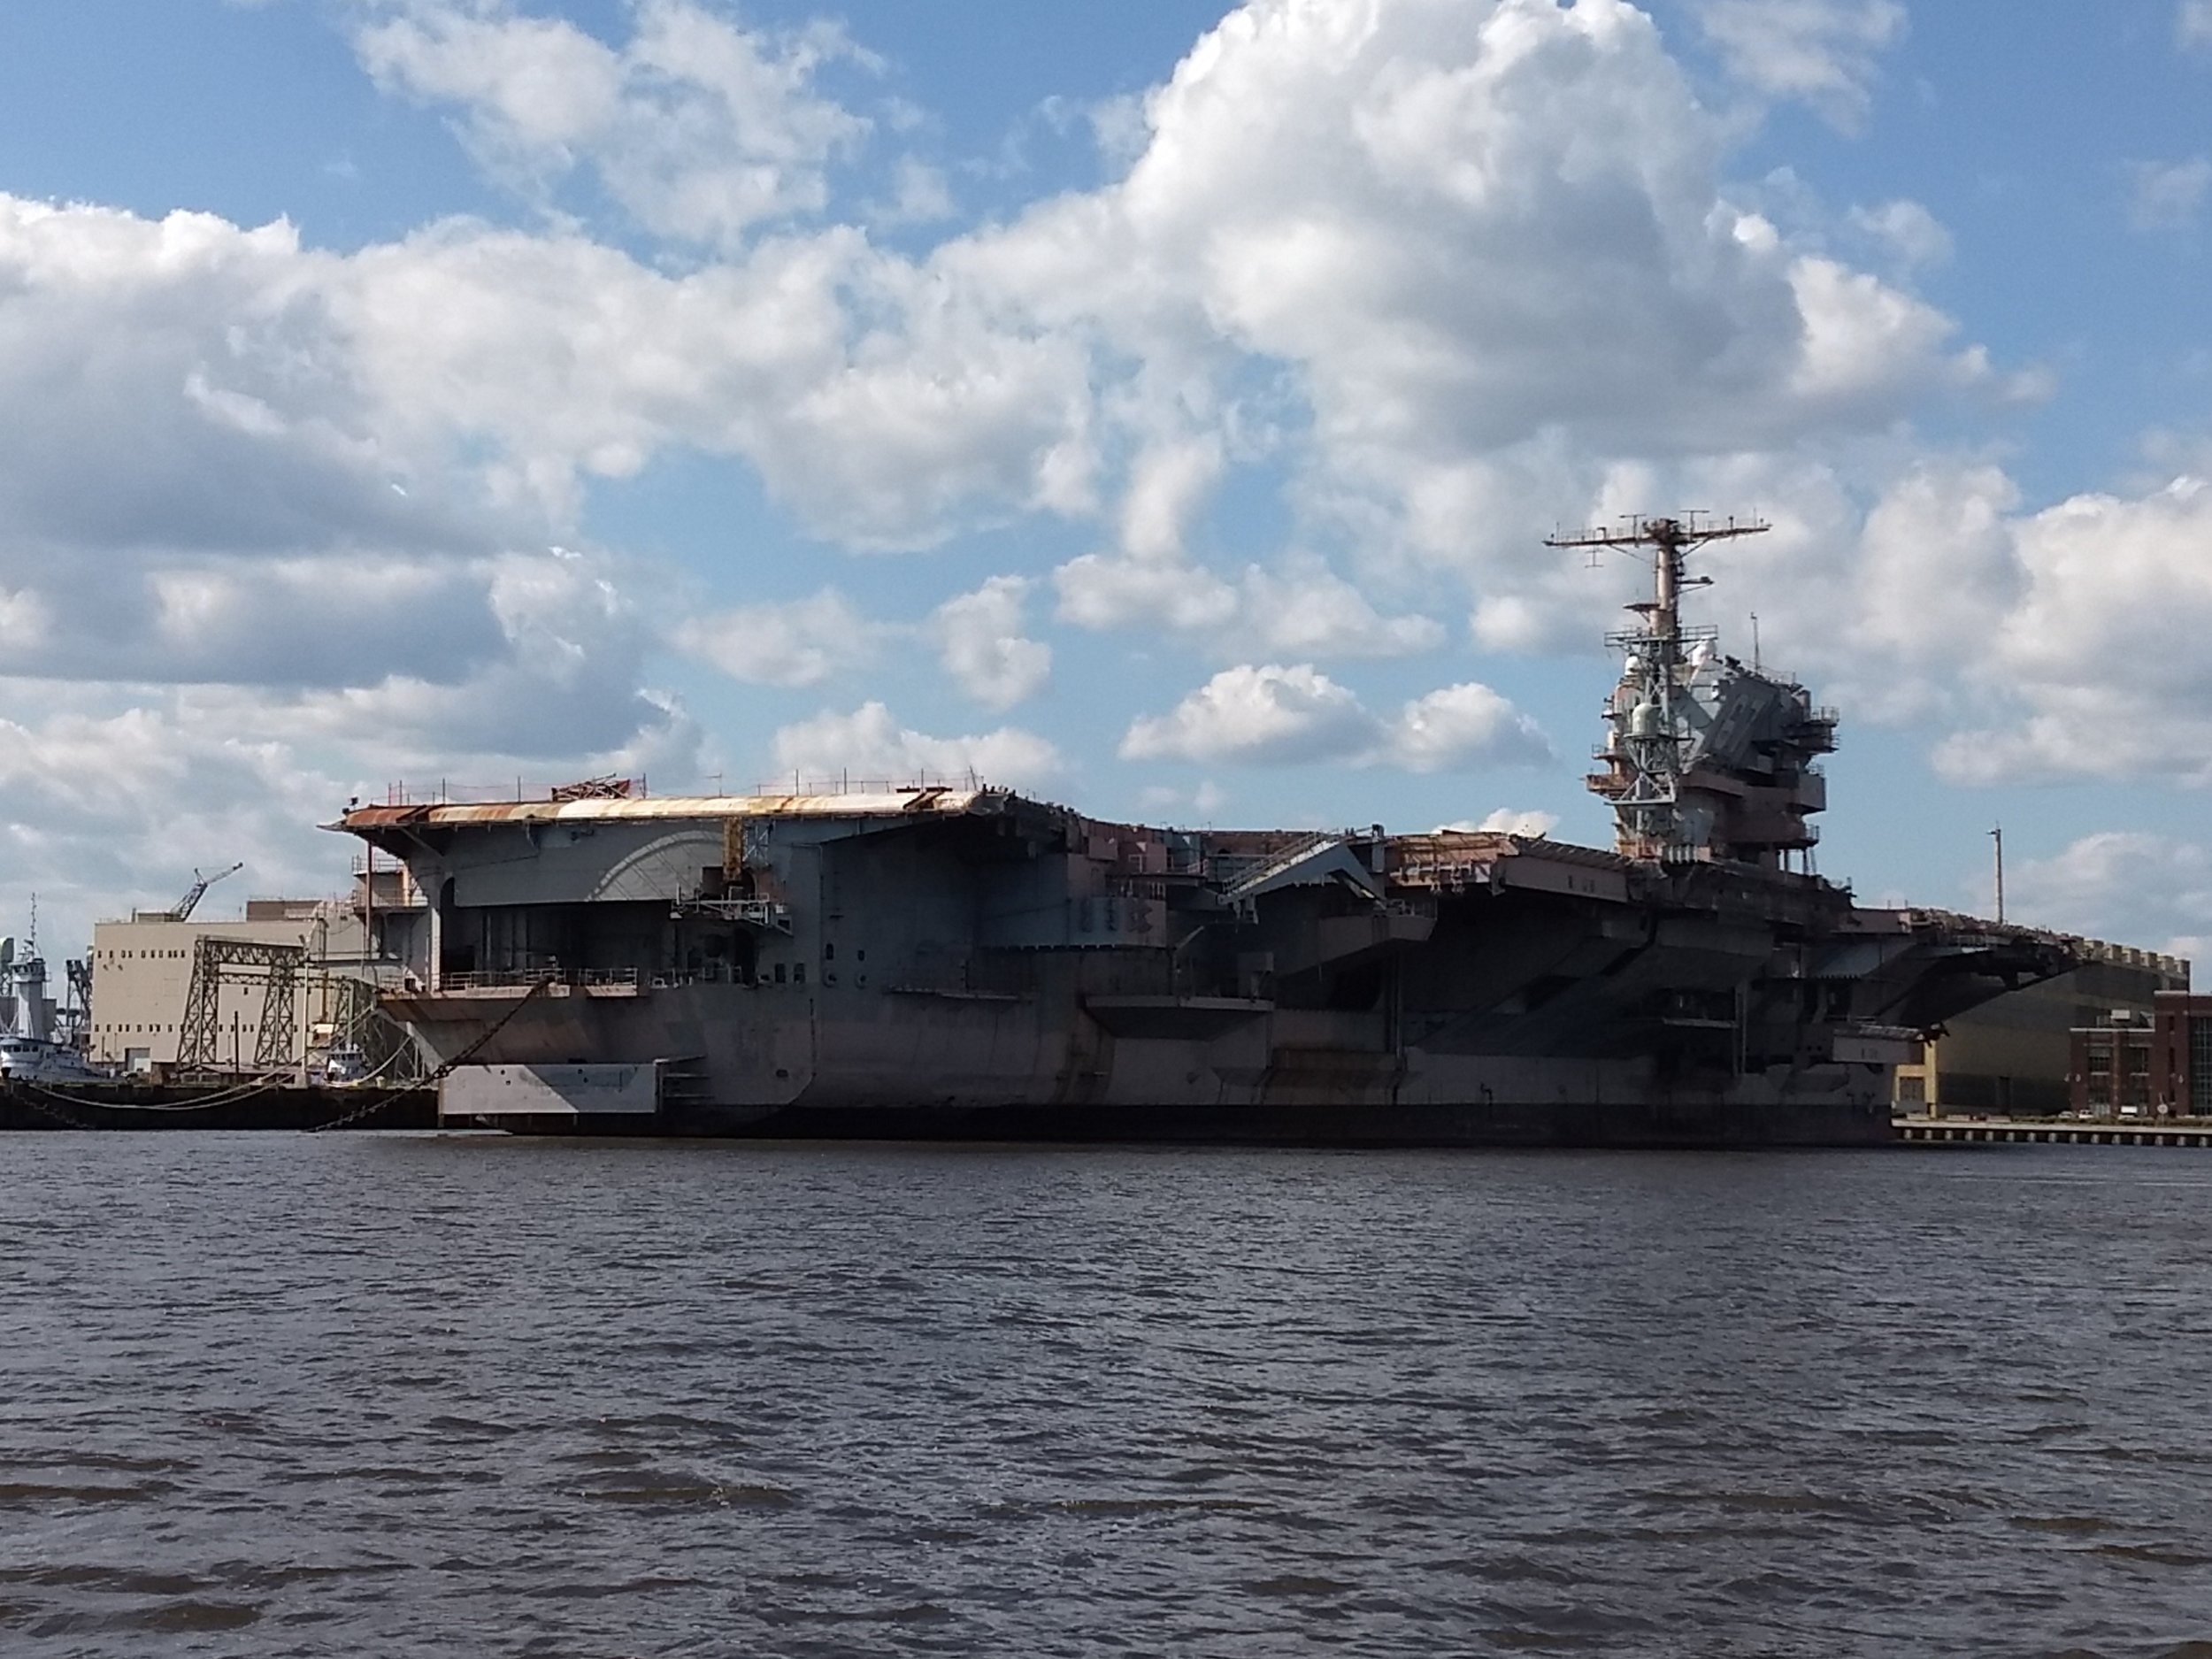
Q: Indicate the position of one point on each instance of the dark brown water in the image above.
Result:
(397, 1395)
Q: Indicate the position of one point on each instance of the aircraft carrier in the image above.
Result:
(931, 960)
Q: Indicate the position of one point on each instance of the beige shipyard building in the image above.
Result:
(142, 983)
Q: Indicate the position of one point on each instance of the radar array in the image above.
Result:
(1648, 754)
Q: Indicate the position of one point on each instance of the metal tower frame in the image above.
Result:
(244, 961)
(1647, 819)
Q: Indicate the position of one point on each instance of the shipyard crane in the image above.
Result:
(181, 910)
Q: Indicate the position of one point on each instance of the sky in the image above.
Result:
(1156, 408)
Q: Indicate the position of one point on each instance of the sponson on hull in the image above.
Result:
(928, 960)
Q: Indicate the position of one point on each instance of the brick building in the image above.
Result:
(2127, 1064)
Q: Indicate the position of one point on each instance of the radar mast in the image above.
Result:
(1705, 759)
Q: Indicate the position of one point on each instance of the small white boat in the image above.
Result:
(38, 1060)
(28, 1050)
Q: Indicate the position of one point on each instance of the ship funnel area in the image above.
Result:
(1704, 759)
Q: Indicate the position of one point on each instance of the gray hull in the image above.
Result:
(926, 963)
(1692, 1125)
(748, 1062)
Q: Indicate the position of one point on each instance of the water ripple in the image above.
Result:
(274, 1395)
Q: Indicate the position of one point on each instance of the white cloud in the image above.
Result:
(1505, 821)
(1262, 715)
(2097, 669)
(1419, 262)
(1167, 486)
(699, 128)
(981, 642)
(561, 692)
(109, 810)
(919, 195)
(869, 743)
(800, 644)
(1206, 801)
(1101, 590)
(2165, 196)
(1822, 52)
(1935, 567)
(1914, 235)
(2192, 24)
(1305, 610)
(1299, 608)
(2130, 887)
(1462, 726)
(1406, 246)
(1286, 716)
(230, 391)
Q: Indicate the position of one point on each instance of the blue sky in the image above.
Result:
(1157, 407)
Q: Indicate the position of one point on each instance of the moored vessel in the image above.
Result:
(929, 960)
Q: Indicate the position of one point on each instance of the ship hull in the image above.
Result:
(924, 965)
(785, 1064)
(1700, 1126)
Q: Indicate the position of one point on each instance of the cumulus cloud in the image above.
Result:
(1417, 252)
(800, 644)
(2166, 195)
(1418, 262)
(1147, 579)
(1099, 590)
(919, 195)
(1260, 715)
(2097, 670)
(563, 690)
(107, 811)
(870, 743)
(1335, 227)
(981, 645)
(230, 390)
(1822, 52)
(1303, 609)
(1909, 230)
(699, 128)
(1272, 715)
(1935, 568)
(1462, 726)
(1506, 821)
(2132, 887)
(1298, 607)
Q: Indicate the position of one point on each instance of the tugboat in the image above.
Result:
(29, 1051)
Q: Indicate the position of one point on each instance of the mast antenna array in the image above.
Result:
(1657, 730)
(1671, 539)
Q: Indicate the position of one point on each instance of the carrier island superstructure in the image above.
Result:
(928, 960)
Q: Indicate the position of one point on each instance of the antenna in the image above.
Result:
(1672, 538)
(1755, 641)
(1998, 836)
(1650, 752)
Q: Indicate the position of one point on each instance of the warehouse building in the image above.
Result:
(2021, 1054)
(142, 991)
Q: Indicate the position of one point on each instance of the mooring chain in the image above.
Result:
(65, 1119)
(358, 1114)
(433, 1081)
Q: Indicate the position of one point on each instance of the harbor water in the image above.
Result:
(401, 1395)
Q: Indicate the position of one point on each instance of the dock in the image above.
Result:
(2156, 1132)
(130, 1106)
